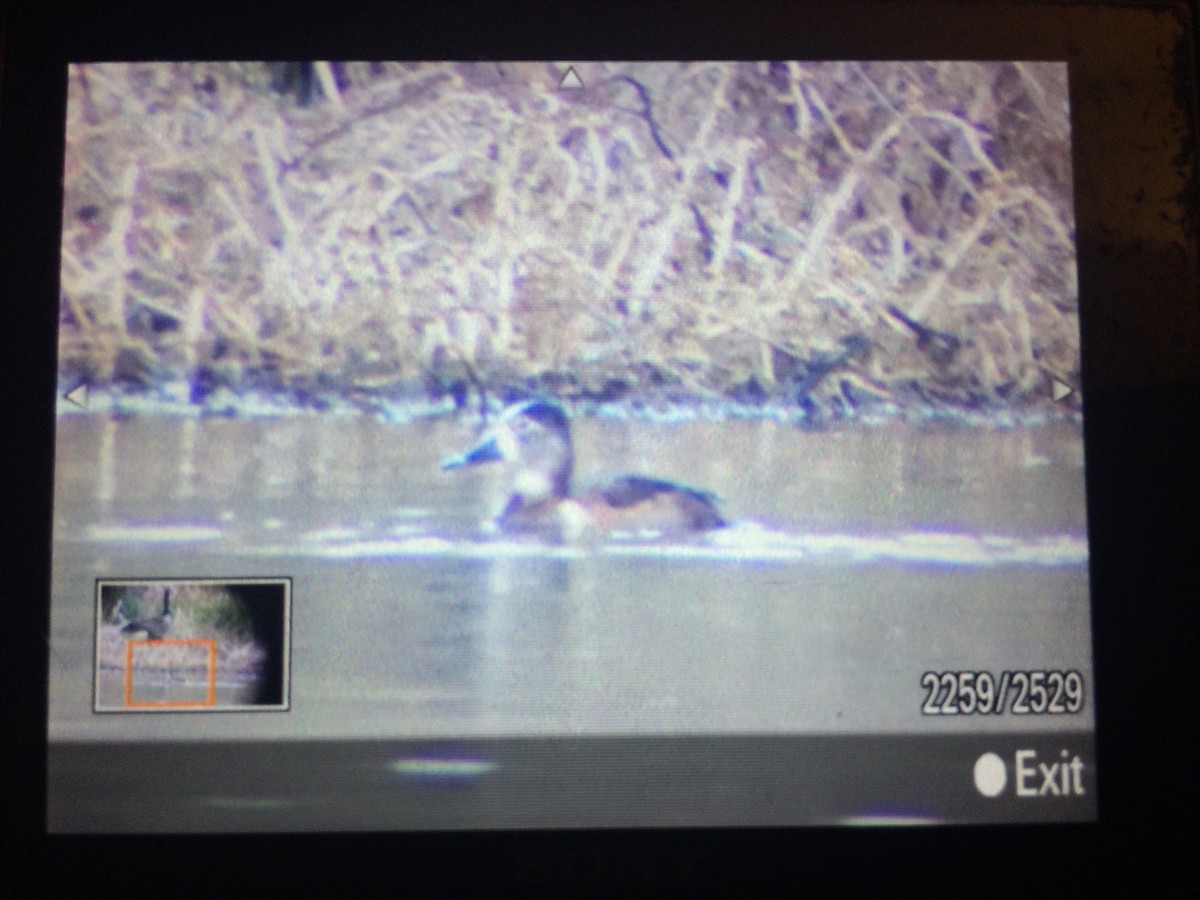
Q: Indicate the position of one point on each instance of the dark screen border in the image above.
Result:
(1133, 108)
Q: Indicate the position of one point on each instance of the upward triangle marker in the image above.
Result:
(571, 81)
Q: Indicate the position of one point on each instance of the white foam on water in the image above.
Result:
(153, 534)
(745, 542)
(741, 542)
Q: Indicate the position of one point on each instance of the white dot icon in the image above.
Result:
(990, 775)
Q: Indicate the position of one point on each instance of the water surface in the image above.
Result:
(857, 560)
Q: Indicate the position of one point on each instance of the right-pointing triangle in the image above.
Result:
(571, 81)
(1059, 390)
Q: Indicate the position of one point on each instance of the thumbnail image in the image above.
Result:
(191, 645)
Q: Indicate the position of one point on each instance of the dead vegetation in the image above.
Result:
(685, 230)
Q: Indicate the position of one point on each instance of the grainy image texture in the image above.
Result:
(890, 233)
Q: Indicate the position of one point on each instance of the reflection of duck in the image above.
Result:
(155, 627)
(535, 437)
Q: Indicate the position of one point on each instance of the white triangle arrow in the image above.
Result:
(1059, 390)
(77, 395)
(571, 81)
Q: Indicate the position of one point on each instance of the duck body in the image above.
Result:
(534, 440)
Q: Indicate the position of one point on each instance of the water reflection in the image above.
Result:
(312, 474)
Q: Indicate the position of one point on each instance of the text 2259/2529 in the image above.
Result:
(1020, 692)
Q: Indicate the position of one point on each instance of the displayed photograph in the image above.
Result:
(576, 399)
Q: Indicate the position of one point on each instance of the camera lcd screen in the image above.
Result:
(476, 445)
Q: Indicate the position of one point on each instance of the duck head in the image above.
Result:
(535, 438)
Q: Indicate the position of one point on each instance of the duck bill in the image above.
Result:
(485, 451)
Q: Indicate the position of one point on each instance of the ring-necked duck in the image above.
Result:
(535, 438)
(155, 627)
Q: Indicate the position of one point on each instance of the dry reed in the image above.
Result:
(701, 229)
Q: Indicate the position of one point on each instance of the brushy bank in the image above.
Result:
(834, 234)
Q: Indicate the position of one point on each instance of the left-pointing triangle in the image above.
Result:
(77, 395)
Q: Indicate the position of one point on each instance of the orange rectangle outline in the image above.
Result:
(210, 700)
